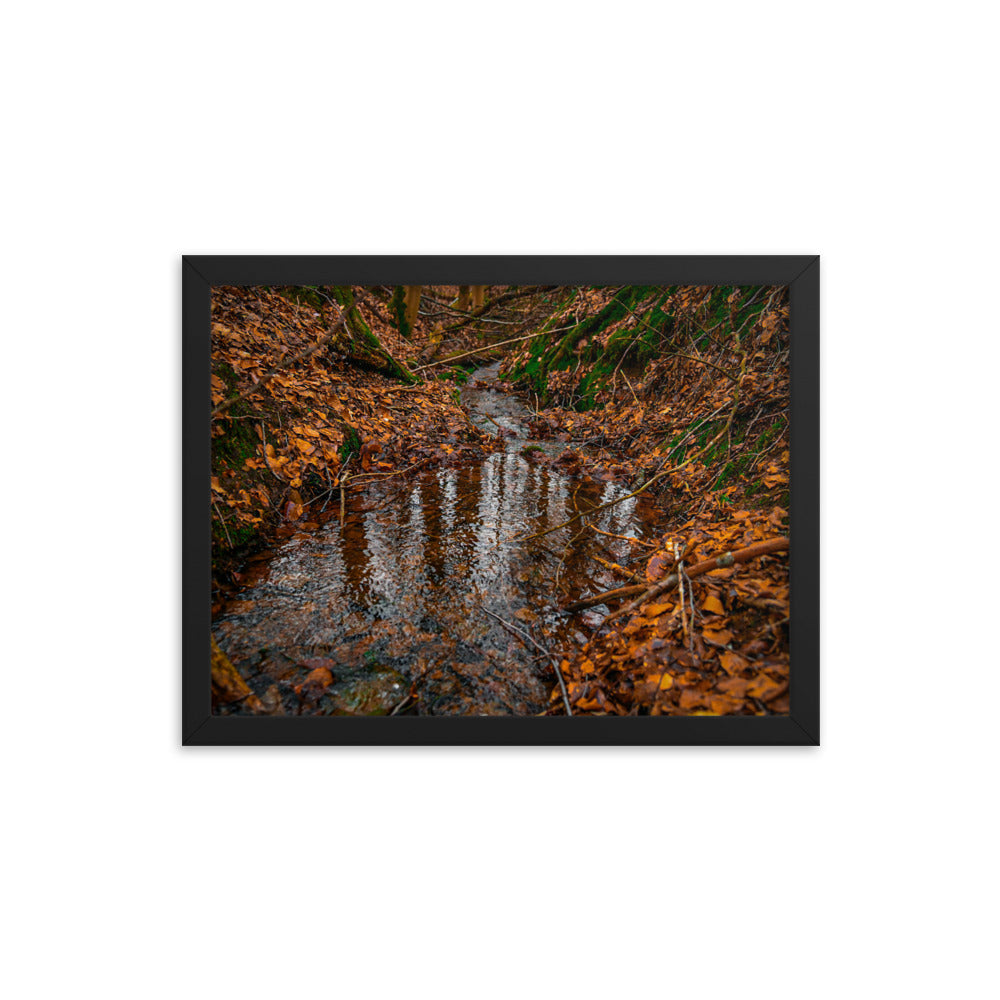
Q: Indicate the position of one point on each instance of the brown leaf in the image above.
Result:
(367, 450)
(655, 610)
(723, 704)
(765, 688)
(736, 686)
(733, 663)
(658, 566)
(718, 637)
(315, 683)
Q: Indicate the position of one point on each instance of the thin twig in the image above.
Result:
(562, 558)
(680, 573)
(545, 652)
(223, 522)
(625, 538)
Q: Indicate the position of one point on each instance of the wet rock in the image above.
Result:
(374, 690)
(316, 682)
(313, 662)
(269, 664)
(271, 700)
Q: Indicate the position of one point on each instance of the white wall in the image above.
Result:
(137, 869)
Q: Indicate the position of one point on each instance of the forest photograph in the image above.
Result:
(500, 500)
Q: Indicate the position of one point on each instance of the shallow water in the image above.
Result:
(392, 601)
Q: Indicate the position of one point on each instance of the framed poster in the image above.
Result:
(501, 500)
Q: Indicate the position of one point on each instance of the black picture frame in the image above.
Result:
(800, 728)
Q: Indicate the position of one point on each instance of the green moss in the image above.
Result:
(736, 469)
(397, 306)
(366, 344)
(238, 440)
(308, 295)
(227, 538)
(351, 444)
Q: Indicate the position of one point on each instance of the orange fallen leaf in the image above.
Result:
(733, 663)
(719, 637)
(765, 688)
(655, 610)
(736, 686)
(657, 566)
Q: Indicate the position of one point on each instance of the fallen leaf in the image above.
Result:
(657, 566)
(655, 610)
(733, 663)
(718, 637)
(713, 605)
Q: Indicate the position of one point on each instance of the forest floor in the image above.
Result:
(698, 623)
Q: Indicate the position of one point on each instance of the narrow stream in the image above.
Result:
(395, 596)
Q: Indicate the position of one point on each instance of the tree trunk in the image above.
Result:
(412, 303)
(399, 308)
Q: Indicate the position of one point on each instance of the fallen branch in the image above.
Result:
(615, 567)
(618, 594)
(373, 476)
(487, 347)
(648, 593)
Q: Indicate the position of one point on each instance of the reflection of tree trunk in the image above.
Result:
(478, 296)
(462, 302)
(355, 552)
(434, 540)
